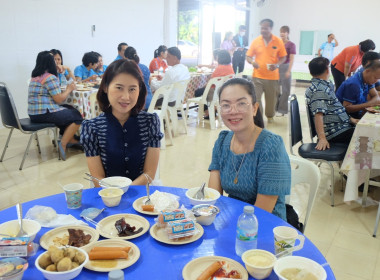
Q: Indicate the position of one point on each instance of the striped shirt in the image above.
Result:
(122, 149)
(320, 97)
(40, 94)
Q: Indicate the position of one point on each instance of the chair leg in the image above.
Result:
(377, 222)
(332, 183)
(163, 141)
(38, 142)
(6, 144)
(169, 128)
(211, 114)
(26, 151)
(184, 118)
(174, 119)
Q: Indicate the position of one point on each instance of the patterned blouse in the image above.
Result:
(265, 170)
(156, 64)
(122, 149)
(320, 97)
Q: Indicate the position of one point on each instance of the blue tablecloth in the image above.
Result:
(161, 261)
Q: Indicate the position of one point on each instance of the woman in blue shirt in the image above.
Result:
(64, 72)
(130, 53)
(249, 163)
(123, 140)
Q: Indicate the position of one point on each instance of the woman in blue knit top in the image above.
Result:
(249, 162)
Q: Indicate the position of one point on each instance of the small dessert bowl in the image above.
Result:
(259, 263)
(111, 196)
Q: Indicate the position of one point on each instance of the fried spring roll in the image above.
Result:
(149, 208)
(206, 274)
(107, 255)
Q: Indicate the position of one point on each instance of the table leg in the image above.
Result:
(366, 183)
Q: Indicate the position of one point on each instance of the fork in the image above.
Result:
(97, 225)
(147, 202)
(21, 232)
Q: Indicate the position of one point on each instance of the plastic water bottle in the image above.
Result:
(246, 231)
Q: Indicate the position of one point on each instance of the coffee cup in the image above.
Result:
(285, 239)
(73, 194)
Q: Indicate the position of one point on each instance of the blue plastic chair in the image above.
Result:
(11, 120)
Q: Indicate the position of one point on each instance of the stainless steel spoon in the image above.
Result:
(200, 194)
(102, 182)
(21, 232)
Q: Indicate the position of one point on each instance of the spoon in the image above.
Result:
(147, 202)
(102, 182)
(21, 232)
(200, 194)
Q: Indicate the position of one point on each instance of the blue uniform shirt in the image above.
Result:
(82, 72)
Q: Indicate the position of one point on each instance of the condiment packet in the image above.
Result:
(14, 246)
(91, 213)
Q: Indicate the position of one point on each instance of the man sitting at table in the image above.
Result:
(86, 71)
(358, 92)
(330, 118)
(176, 73)
(120, 50)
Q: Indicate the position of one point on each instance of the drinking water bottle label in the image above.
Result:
(246, 235)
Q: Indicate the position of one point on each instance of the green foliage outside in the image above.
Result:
(188, 26)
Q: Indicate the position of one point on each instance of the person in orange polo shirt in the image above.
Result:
(348, 60)
(265, 54)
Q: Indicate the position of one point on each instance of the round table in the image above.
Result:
(162, 261)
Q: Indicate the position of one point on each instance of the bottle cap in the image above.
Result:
(116, 275)
(249, 209)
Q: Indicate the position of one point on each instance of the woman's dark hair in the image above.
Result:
(90, 57)
(367, 45)
(55, 51)
(130, 53)
(44, 63)
(115, 68)
(248, 86)
(160, 49)
(318, 66)
(224, 57)
(228, 34)
(285, 28)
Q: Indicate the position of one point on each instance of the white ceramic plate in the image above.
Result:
(84, 89)
(140, 201)
(48, 238)
(195, 267)
(133, 255)
(160, 235)
(106, 227)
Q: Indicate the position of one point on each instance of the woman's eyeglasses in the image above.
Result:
(240, 107)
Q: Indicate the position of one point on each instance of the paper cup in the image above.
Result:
(285, 239)
(73, 193)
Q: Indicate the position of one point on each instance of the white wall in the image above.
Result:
(30, 26)
(352, 21)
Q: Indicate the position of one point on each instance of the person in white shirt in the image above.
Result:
(176, 73)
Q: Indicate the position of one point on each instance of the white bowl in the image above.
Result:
(205, 213)
(29, 226)
(301, 263)
(63, 275)
(122, 182)
(111, 196)
(20, 265)
(211, 196)
(259, 263)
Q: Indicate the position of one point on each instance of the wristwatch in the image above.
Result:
(277, 65)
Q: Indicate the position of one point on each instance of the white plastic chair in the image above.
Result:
(305, 171)
(180, 87)
(162, 113)
(202, 100)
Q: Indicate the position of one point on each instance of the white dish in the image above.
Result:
(300, 263)
(133, 255)
(12, 227)
(160, 235)
(140, 201)
(211, 193)
(47, 239)
(195, 267)
(106, 227)
(122, 182)
(111, 196)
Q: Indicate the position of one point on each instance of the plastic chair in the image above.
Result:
(162, 113)
(202, 100)
(336, 152)
(11, 120)
(304, 171)
(180, 87)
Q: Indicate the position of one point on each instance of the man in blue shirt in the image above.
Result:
(358, 92)
(120, 50)
(86, 71)
(327, 48)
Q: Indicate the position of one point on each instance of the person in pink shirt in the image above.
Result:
(228, 44)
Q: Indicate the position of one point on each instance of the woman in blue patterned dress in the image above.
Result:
(249, 163)
(123, 140)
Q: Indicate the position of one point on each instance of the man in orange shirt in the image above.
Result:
(348, 60)
(265, 54)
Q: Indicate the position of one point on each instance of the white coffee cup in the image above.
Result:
(285, 239)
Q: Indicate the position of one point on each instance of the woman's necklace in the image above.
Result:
(237, 172)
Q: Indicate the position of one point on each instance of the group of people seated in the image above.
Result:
(336, 111)
(124, 140)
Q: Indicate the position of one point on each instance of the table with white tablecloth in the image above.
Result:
(81, 100)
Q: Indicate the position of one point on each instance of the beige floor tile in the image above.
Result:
(345, 276)
(350, 262)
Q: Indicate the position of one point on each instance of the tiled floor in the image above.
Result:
(342, 233)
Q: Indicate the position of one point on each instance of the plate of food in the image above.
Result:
(76, 236)
(110, 254)
(140, 207)
(83, 89)
(161, 235)
(123, 226)
(374, 109)
(214, 266)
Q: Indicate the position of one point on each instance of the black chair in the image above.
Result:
(335, 153)
(11, 120)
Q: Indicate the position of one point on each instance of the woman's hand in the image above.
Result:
(354, 121)
(71, 87)
(60, 69)
(287, 74)
(322, 145)
(255, 65)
